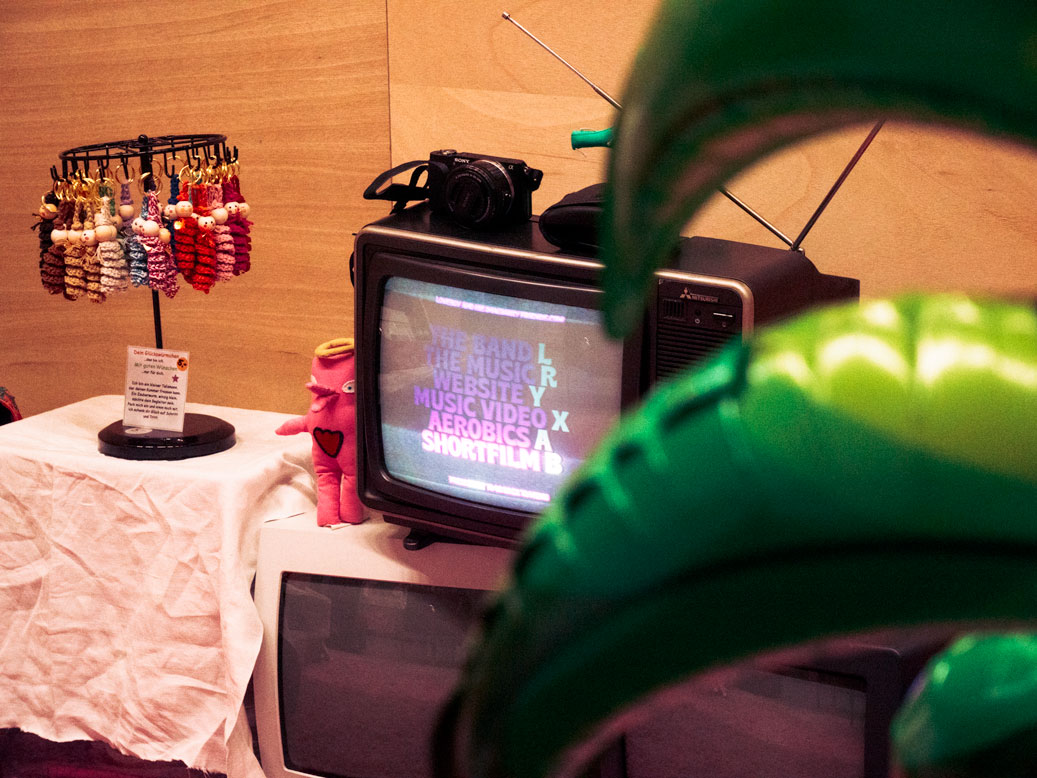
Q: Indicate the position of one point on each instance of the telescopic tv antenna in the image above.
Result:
(604, 138)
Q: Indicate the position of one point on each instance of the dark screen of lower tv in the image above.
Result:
(827, 717)
(366, 665)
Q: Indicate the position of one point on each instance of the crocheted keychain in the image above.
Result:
(115, 273)
(169, 214)
(238, 210)
(75, 281)
(185, 228)
(53, 271)
(205, 242)
(51, 276)
(136, 256)
(148, 228)
(221, 233)
(91, 262)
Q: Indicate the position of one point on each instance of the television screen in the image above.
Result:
(364, 668)
(792, 723)
(491, 398)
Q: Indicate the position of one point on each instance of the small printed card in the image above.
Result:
(156, 389)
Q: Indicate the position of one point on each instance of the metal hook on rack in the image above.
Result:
(165, 165)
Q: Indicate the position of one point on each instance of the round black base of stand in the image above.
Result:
(202, 435)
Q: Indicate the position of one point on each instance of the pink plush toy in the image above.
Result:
(332, 423)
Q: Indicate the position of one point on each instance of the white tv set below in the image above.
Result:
(362, 643)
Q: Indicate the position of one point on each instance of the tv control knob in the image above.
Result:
(478, 193)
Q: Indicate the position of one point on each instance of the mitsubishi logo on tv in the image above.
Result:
(702, 298)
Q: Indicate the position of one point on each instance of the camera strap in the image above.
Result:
(400, 194)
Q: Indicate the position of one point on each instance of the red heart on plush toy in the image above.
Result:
(330, 441)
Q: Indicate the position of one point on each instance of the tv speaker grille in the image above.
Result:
(678, 347)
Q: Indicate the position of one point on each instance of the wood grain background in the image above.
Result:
(299, 88)
(321, 96)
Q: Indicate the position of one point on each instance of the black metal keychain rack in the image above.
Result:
(202, 434)
(145, 149)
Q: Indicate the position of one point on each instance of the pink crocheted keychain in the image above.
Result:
(148, 227)
(237, 220)
(221, 233)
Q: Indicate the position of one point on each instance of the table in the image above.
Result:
(124, 585)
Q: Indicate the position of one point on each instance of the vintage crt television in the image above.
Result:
(363, 641)
(483, 374)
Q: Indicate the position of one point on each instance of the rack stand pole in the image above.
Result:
(202, 434)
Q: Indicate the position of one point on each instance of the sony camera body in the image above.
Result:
(480, 191)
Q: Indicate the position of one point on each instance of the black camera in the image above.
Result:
(480, 191)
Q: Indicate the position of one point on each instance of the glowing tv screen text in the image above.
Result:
(491, 398)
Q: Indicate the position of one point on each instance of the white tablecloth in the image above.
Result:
(125, 613)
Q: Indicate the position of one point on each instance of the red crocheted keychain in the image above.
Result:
(185, 228)
(205, 241)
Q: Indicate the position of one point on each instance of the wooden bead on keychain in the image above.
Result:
(105, 232)
(126, 209)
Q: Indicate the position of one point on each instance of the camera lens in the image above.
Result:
(478, 193)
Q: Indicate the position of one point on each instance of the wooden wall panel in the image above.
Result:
(321, 96)
(299, 88)
(926, 208)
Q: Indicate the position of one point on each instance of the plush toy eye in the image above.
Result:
(349, 387)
